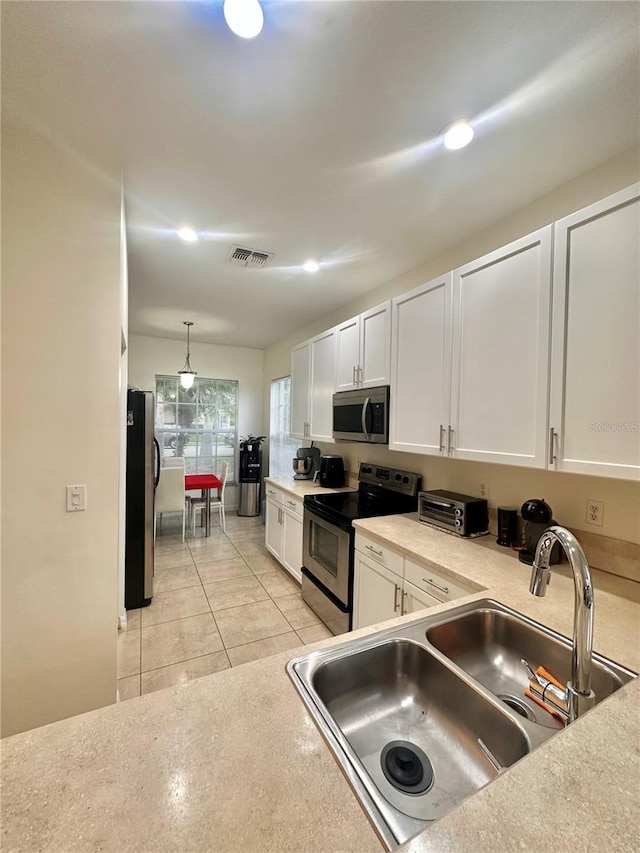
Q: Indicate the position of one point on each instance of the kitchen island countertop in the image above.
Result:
(233, 762)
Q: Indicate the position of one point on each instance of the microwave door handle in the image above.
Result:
(363, 418)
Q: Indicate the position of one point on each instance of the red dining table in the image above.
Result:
(204, 482)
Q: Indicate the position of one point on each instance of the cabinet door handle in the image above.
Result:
(371, 548)
(552, 438)
(444, 589)
(450, 431)
(403, 611)
(396, 590)
(360, 372)
(281, 516)
(292, 503)
(441, 446)
(353, 376)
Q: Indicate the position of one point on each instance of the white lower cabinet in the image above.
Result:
(283, 529)
(292, 544)
(386, 584)
(273, 528)
(377, 593)
(414, 599)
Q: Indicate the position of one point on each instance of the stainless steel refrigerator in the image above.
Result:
(143, 473)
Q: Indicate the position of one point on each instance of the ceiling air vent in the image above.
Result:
(243, 257)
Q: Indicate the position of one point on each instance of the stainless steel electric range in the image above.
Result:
(329, 537)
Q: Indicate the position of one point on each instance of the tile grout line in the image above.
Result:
(245, 559)
(185, 660)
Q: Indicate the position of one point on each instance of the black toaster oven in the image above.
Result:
(460, 514)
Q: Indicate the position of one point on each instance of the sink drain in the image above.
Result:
(519, 707)
(406, 767)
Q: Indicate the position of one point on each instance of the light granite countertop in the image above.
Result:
(300, 488)
(233, 762)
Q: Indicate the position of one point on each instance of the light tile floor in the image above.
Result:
(218, 602)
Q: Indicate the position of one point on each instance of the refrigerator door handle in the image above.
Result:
(155, 441)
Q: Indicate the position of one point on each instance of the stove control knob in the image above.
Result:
(398, 476)
(405, 480)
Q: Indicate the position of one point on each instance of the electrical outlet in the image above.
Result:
(595, 513)
(484, 489)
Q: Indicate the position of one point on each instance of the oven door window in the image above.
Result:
(324, 547)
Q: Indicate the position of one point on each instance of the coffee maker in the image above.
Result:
(306, 462)
(537, 516)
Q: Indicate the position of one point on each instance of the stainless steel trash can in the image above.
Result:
(249, 499)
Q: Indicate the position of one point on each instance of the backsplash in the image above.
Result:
(614, 547)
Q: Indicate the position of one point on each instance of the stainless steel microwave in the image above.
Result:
(362, 415)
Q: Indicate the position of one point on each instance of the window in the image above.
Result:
(198, 423)
(282, 447)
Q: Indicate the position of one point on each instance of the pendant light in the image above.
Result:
(187, 375)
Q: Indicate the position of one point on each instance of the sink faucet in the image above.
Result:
(579, 695)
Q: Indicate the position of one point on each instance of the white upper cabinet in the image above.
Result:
(375, 346)
(348, 354)
(323, 378)
(300, 387)
(500, 357)
(363, 349)
(313, 377)
(421, 368)
(595, 379)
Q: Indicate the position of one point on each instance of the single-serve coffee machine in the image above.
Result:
(537, 516)
(306, 462)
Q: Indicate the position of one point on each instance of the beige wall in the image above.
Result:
(151, 356)
(508, 486)
(60, 425)
(122, 485)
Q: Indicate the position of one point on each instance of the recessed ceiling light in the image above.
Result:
(459, 134)
(311, 266)
(188, 234)
(244, 17)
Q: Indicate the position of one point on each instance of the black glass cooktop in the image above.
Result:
(381, 491)
(351, 505)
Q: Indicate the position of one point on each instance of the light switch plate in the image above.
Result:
(76, 498)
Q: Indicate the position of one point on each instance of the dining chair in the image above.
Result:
(170, 496)
(176, 462)
(199, 504)
(173, 462)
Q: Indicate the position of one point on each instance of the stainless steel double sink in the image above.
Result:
(424, 714)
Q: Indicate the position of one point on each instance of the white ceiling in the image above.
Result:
(320, 138)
